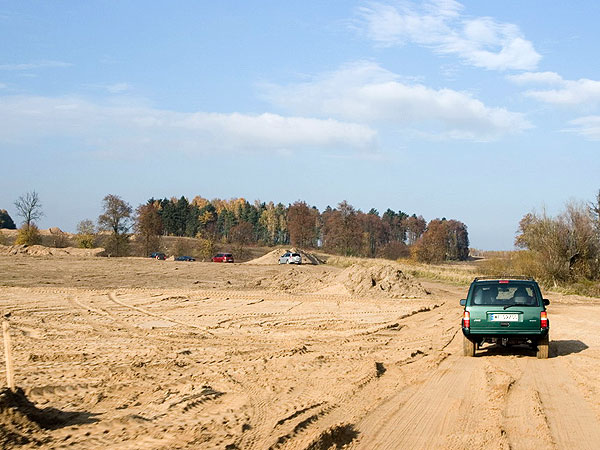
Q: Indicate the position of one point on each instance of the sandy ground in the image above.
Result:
(145, 354)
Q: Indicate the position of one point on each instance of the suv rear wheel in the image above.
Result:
(542, 348)
(468, 347)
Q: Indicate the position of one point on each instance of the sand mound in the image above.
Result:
(376, 280)
(40, 250)
(273, 257)
(21, 422)
(366, 279)
(19, 419)
(293, 278)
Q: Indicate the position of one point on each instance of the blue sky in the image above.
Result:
(478, 111)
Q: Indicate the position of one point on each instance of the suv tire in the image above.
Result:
(468, 347)
(542, 348)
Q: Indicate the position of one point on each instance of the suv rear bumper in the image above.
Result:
(511, 334)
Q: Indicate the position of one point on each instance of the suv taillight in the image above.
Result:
(467, 320)
(544, 320)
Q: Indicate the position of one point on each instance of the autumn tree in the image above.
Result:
(29, 235)
(301, 224)
(207, 219)
(241, 236)
(342, 232)
(375, 232)
(148, 226)
(116, 218)
(415, 227)
(86, 234)
(394, 250)
(283, 232)
(432, 247)
(270, 222)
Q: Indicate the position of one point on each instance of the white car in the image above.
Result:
(290, 258)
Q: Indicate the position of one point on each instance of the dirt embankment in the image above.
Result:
(273, 257)
(40, 250)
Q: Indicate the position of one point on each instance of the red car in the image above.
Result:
(223, 257)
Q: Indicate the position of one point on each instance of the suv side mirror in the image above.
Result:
(546, 302)
(463, 302)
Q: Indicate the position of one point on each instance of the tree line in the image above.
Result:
(561, 249)
(342, 229)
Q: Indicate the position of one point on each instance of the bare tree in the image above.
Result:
(29, 207)
(564, 248)
(594, 210)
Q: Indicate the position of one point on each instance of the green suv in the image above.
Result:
(505, 311)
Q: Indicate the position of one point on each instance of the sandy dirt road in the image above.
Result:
(133, 354)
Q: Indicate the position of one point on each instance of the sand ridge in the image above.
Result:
(40, 250)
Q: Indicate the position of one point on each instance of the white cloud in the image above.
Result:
(365, 92)
(566, 92)
(572, 93)
(34, 65)
(121, 129)
(118, 88)
(536, 77)
(588, 127)
(481, 42)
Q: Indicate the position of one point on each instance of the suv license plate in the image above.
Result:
(504, 317)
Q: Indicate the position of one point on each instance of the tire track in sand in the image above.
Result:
(112, 296)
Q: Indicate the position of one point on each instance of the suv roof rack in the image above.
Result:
(506, 277)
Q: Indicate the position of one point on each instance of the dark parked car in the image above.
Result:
(223, 257)
(505, 311)
(184, 258)
(158, 255)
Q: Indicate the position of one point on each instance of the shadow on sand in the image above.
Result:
(566, 347)
(557, 348)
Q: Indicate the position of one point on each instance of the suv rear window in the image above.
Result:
(295, 254)
(505, 294)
